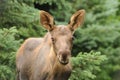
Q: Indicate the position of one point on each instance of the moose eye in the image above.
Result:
(73, 38)
(53, 40)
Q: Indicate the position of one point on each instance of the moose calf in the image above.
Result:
(48, 58)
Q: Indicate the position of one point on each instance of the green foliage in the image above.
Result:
(7, 37)
(104, 39)
(86, 65)
(8, 47)
(25, 18)
(96, 36)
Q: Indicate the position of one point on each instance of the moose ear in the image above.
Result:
(76, 19)
(46, 20)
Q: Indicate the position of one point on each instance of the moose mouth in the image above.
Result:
(63, 59)
(63, 62)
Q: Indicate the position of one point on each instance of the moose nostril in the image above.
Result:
(64, 56)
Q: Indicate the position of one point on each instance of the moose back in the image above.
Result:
(48, 58)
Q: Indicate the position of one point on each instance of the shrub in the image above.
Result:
(104, 39)
(86, 65)
(8, 47)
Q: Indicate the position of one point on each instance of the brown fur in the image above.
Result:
(48, 58)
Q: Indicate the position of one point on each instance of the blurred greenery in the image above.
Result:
(8, 47)
(87, 65)
(100, 33)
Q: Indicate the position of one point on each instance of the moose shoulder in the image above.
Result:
(48, 58)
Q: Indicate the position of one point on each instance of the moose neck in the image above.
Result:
(47, 39)
(59, 71)
(52, 55)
